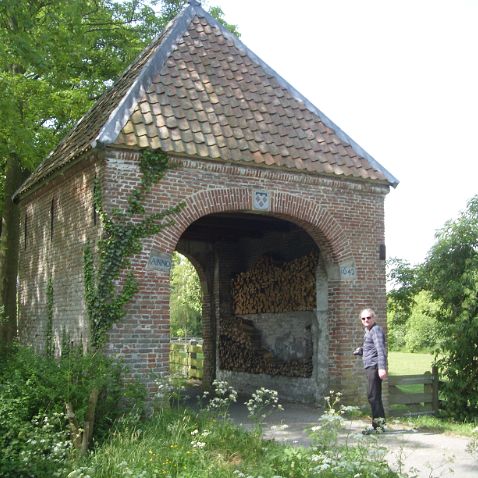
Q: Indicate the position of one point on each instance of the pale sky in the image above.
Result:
(400, 77)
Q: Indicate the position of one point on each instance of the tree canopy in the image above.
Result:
(449, 276)
(56, 58)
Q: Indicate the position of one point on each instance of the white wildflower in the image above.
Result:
(279, 427)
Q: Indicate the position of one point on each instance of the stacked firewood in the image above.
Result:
(240, 350)
(269, 287)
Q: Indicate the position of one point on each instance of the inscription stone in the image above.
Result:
(348, 271)
(159, 261)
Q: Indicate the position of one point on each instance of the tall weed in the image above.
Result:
(199, 444)
(34, 436)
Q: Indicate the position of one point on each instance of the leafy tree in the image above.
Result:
(186, 298)
(404, 281)
(416, 330)
(56, 59)
(396, 325)
(451, 276)
(445, 314)
(422, 332)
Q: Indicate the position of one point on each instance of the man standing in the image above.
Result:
(374, 357)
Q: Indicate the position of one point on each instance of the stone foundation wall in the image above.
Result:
(287, 335)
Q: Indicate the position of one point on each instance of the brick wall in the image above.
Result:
(345, 219)
(55, 224)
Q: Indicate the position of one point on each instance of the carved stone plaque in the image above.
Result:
(261, 200)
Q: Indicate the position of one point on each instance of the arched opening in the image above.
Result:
(185, 300)
(186, 309)
(262, 324)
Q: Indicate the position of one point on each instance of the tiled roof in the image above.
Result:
(198, 91)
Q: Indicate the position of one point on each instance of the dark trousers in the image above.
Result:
(374, 393)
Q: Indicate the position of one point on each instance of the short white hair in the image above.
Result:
(369, 311)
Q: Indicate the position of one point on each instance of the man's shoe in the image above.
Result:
(373, 430)
(369, 431)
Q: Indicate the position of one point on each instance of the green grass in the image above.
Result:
(441, 425)
(406, 363)
(186, 444)
(177, 443)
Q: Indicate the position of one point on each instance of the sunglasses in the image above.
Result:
(366, 318)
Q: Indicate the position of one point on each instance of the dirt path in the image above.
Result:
(420, 454)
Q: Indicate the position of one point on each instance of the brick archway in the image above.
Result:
(318, 222)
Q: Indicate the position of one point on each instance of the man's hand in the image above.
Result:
(382, 373)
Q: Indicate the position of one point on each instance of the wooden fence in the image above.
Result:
(414, 394)
(186, 359)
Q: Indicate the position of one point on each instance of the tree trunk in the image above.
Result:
(9, 242)
(81, 436)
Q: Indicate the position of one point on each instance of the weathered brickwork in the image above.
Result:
(343, 218)
(56, 223)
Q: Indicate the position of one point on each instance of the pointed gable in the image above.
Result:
(197, 91)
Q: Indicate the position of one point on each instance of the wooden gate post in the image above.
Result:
(435, 402)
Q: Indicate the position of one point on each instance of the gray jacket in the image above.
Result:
(374, 349)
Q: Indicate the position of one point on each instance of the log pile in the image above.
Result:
(240, 350)
(268, 287)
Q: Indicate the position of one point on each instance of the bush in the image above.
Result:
(34, 436)
(396, 324)
(396, 336)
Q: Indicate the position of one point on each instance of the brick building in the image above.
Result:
(283, 218)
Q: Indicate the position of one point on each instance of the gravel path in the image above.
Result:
(421, 454)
